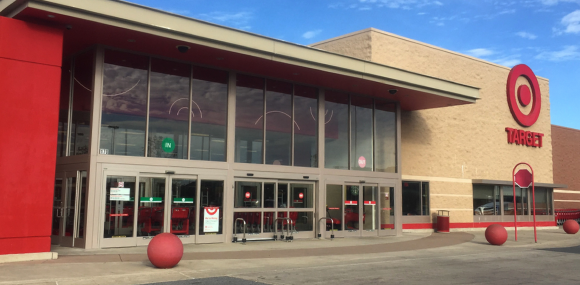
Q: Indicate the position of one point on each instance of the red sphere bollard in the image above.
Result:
(496, 234)
(165, 250)
(571, 227)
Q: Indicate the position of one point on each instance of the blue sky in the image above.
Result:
(544, 34)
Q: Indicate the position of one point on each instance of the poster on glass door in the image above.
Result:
(211, 220)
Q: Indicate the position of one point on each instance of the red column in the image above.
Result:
(30, 68)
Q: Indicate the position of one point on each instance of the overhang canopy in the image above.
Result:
(510, 183)
(129, 26)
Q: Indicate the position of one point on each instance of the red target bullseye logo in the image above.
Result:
(524, 95)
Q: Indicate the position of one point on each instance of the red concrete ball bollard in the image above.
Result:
(571, 227)
(496, 234)
(165, 250)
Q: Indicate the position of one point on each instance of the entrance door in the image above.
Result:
(268, 205)
(188, 206)
(360, 209)
(68, 222)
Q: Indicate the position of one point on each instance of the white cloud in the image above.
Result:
(555, 2)
(311, 34)
(480, 52)
(507, 61)
(421, 14)
(572, 22)
(239, 19)
(526, 35)
(568, 53)
(392, 4)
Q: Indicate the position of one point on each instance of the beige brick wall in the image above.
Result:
(463, 142)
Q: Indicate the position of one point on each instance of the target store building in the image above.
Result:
(122, 122)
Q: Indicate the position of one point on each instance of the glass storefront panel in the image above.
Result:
(249, 126)
(168, 109)
(282, 195)
(124, 104)
(119, 207)
(351, 212)
(82, 202)
(301, 195)
(334, 206)
(278, 122)
(80, 133)
(209, 107)
(361, 139)
(70, 207)
(542, 207)
(412, 198)
(370, 222)
(305, 126)
(151, 206)
(385, 137)
(387, 197)
(183, 194)
(65, 79)
(521, 200)
(253, 222)
(302, 221)
(336, 130)
(211, 207)
(248, 195)
(486, 200)
(268, 222)
(269, 194)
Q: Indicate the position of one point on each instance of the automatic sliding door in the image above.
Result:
(183, 208)
(387, 206)
(211, 211)
(151, 211)
(370, 217)
(119, 209)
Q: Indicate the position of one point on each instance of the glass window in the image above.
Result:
(385, 137)
(521, 200)
(63, 108)
(305, 126)
(211, 200)
(269, 190)
(119, 207)
(301, 195)
(82, 202)
(278, 122)
(542, 207)
(282, 195)
(124, 104)
(80, 134)
(151, 206)
(168, 109)
(334, 207)
(486, 200)
(336, 130)
(209, 114)
(387, 207)
(415, 198)
(183, 194)
(361, 139)
(248, 195)
(249, 126)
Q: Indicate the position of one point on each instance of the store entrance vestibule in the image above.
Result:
(360, 209)
(68, 212)
(141, 206)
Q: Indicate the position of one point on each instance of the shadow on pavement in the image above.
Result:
(572, 249)
(211, 281)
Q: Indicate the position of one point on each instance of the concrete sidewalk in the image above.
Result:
(130, 265)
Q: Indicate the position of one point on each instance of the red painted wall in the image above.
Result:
(30, 61)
